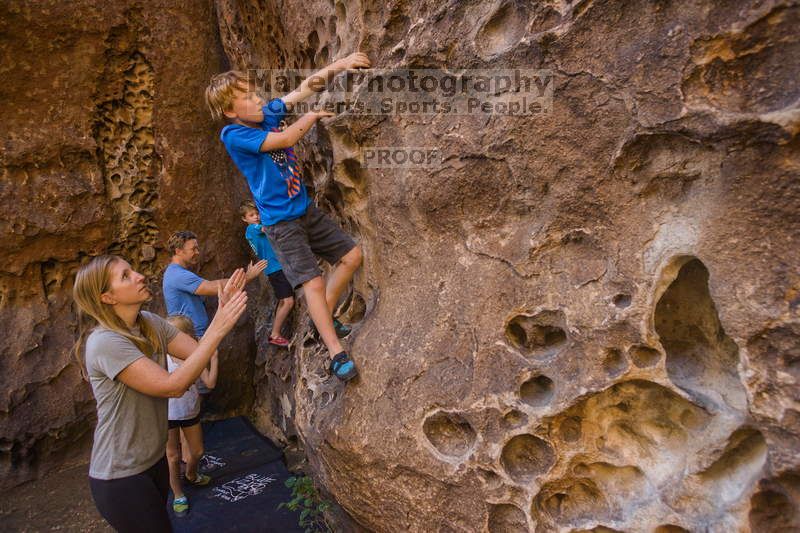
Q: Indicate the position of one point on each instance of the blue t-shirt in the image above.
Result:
(261, 247)
(279, 193)
(179, 286)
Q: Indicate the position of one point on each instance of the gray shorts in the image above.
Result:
(296, 242)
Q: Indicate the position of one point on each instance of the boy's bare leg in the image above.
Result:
(284, 307)
(184, 449)
(341, 276)
(174, 462)
(321, 314)
(194, 438)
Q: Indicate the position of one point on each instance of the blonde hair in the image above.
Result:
(92, 280)
(183, 323)
(247, 206)
(221, 88)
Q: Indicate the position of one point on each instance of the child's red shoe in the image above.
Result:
(278, 341)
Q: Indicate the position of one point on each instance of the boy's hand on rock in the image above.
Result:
(323, 114)
(356, 60)
(254, 270)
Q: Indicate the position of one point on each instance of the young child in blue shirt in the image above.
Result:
(284, 292)
(296, 229)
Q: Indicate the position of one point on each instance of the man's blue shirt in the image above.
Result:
(179, 286)
(276, 195)
(260, 245)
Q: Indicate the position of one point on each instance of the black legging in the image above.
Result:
(135, 503)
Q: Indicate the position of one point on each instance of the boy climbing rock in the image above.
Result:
(257, 239)
(297, 230)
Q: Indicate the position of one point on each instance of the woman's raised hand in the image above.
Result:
(234, 284)
(228, 313)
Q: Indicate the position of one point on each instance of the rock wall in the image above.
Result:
(584, 320)
(107, 147)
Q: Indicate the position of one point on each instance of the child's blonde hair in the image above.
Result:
(183, 323)
(246, 206)
(220, 91)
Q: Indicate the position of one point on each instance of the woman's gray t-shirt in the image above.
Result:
(131, 432)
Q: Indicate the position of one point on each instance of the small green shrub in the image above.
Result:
(306, 499)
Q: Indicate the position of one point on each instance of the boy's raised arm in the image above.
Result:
(317, 81)
(288, 137)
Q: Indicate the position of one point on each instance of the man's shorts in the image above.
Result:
(280, 285)
(297, 241)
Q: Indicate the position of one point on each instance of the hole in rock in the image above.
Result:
(614, 363)
(514, 418)
(570, 429)
(449, 433)
(622, 300)
(644, 356)
(313, 41)
(740, 465)
(600, 491)
(352, 177)
(322, 56)
(634, 422)
(354, 308)
(505, 518)
(670, 528)
(491, 479)
(577, 500)
(581, 469)
(537, 391)
(693, 419)
(540, 335)
(701, 358)
(341, 12)
(325, 398)
(524, 457)
(776, 506)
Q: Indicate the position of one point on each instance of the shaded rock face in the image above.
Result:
(107, 147)
(585, 320)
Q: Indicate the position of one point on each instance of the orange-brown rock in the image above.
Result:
(584, 320)
(581, 320)
(106, 147)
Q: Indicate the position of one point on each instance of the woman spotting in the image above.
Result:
(125, 362)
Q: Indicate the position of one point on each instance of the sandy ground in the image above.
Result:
(60, 501)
